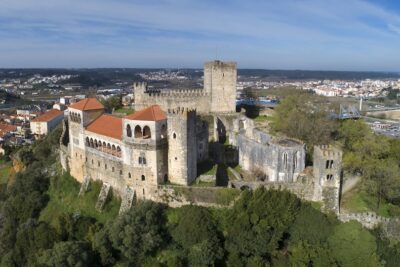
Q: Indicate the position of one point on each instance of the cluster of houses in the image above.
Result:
(31, 122)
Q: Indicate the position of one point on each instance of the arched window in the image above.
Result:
(138, 132)
(91, 142)
(87, 141)
(163, 131)
(146, 132)
(143, 178)
(128, 131)
(108, 146)
(95, 143)
(174, 136)
(295, 164)
(113, 148)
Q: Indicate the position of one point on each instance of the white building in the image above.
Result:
(43, 124)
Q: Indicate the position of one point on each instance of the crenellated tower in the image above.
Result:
(220, 81)
(182, 152)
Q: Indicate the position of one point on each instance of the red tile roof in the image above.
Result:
(153, 113)
(87, 104)
(49, 115)
(107, 125)
(6, 128)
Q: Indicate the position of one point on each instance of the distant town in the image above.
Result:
(32, 102)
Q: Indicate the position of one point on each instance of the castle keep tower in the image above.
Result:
(327, 171)
(182, 149)
(220, 82)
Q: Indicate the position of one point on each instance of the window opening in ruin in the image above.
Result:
(129, 175)
(327, 164)
(143, 177)
(285, 161)
(174, 136)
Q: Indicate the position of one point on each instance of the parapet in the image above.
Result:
(328, 151)
(181, 110)
(179, 93)
(230, 64)
(140, 86)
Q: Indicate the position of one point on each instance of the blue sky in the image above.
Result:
(278, 34)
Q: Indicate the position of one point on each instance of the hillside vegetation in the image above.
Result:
(43, 222)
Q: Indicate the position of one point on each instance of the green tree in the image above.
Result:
(67, 254)
(306, 117)
(196, 233)
(112, 103)
(259, 225)
(136, 235)
(353, 245)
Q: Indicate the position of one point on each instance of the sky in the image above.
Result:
(356, 35)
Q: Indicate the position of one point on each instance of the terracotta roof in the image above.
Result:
(6, 128)
(153, 113)
(87, 104)
(49, 115)
(107, 125)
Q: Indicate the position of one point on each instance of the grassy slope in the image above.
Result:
(64, 198)
(5, 168)
(359, 201)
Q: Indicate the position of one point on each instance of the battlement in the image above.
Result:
(225, 64)
(140, 86)
(181, 110)
(328, 151)
(178, 93)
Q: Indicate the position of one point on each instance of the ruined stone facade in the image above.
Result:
(217, 96)
(281, 161)
(328, 172)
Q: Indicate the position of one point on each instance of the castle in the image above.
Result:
(165, 139)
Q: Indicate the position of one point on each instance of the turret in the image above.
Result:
(182, 152)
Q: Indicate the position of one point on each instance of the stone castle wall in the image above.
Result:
(217, 96)
(182, 152)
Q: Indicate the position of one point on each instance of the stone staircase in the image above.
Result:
(105, 190)
(84, 185)
(127, 200)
